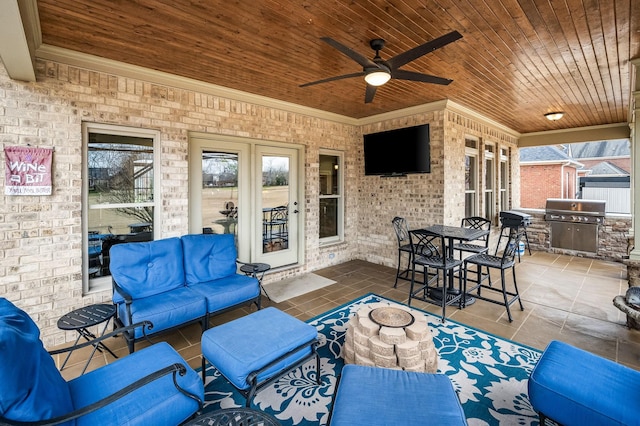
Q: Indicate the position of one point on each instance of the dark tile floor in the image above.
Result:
(565, 298)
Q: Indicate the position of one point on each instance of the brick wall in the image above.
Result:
(539, 182)
(423, 199)
(41, 237)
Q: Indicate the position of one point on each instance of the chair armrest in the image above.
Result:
(146, 325)
(126, 296)
(174, 369)
(128, 299)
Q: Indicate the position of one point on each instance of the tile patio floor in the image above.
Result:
(565, 298)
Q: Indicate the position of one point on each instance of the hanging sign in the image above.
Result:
(27, 170)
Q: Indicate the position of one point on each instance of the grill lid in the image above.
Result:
(575, 206)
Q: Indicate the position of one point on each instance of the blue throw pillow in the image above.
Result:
(32, 387)
(209, 257)
(148, 268)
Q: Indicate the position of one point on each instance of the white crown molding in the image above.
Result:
(406, 112)
(19, 36)
(456, 107)
(31, 20)
(444, 104)
(96, 63)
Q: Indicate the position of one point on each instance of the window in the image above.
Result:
(119, 201)
(471, 178)
(331, 202)
(504, 179)
(489, 172)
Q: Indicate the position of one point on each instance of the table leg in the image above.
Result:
(70, 352)
(260, 282)
(96, 347)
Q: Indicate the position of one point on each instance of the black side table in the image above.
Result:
(81, 319)
(256, 270)
(234, 417)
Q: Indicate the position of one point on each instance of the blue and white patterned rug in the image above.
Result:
(489, 373)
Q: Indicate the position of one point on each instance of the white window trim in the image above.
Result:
(475, 153)
(340, 197)
(104, 283)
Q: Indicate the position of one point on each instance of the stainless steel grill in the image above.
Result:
(574, 223)
(577, 211)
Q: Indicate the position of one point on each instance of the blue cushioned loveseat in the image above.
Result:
(152, 386)
(177, 281)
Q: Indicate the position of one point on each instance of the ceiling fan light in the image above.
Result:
(554, 116)
(377, 78)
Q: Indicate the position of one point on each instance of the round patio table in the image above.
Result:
(240, 416)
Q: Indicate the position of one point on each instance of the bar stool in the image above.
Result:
(504, 262)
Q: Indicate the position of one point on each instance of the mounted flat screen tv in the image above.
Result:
(397, 152)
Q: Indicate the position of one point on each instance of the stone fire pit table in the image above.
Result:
(391, 336)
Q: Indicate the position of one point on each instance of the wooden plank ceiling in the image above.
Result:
(517, 60)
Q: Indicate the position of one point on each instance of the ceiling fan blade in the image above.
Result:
(418, 51)
(369, 94)
(339, 77)
(416, 76)
(362, 60)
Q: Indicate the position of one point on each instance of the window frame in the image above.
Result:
(503, 178)
(339, 197)
(473, 153)
(91, 285)
(489, 181)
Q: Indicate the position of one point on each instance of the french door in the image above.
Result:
(250, 190)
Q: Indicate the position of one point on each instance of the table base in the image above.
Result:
(435, 294)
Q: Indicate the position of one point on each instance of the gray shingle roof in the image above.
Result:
(607, 169)
(542, 153)
(613, 148)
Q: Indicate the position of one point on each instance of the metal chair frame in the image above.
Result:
(475, 222)
(504, 262)
(430, 257)
(404, 246)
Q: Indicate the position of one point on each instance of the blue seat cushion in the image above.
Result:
(228, 291)
(247, 344)
(573, 386)
(31, 386)
(371, 396)
(157, 403)
(165, 310)
(147, 268)
(208, 257)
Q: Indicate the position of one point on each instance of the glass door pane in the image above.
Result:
(276, 230)
(275, 203)
(219, 192)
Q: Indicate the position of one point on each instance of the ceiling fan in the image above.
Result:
(377, 71)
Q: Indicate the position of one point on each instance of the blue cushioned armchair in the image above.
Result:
(152, 386)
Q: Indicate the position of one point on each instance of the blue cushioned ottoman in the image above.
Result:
(371, 396)
(252, 351)
(575, 387)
